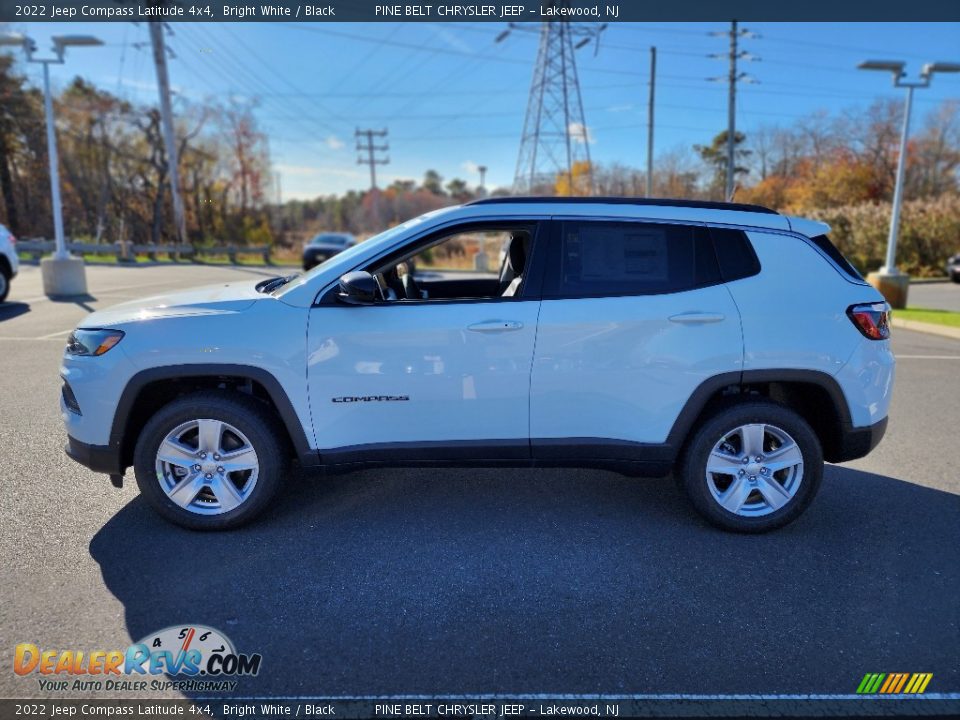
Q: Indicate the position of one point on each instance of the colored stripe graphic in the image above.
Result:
(894, 683)
(903, 680)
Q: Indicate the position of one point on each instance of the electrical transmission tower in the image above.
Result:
(365, 144)
(732, 78)
(555, 136)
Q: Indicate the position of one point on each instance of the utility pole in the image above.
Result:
(653, 80)
(732, 78)
(365, 144)
(732, 112)
(166, 123)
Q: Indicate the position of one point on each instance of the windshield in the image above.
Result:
(331, 239)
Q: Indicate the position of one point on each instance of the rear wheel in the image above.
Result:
(210, 460)
(4, 284)
(752, 467)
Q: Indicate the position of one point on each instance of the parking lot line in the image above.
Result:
(928, 357)
(31, 339)
(55, 334)
(108, 291)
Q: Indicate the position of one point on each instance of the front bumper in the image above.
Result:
(99, 458)
(855, 442)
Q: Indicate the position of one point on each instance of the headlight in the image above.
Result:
(92, 342)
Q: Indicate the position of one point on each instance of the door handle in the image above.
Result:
(697, 318)
(491, 326)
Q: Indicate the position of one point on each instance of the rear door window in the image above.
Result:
(609, 258)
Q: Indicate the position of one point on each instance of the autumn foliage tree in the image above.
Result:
(115, 175)
(577, 183)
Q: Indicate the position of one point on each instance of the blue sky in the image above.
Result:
(453, 99)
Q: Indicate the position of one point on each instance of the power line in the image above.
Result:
(228, 74)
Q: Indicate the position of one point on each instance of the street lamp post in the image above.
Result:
(62, 274)
(889, 280)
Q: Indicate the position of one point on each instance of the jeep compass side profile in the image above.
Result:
(726, 343)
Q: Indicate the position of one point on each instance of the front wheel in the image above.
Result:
(752, 467)
(4, 285)
(210, 460)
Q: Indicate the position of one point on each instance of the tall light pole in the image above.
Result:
(890, 281)
(62, 274)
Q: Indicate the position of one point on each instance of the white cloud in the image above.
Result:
(469, 166)
(580, 133)
(448, 37)
(333, 142)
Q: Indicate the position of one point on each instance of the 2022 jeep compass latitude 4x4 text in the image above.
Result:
(729, 344)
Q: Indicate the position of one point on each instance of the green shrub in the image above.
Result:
(929, 233)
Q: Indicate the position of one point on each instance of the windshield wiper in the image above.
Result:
(271, 284)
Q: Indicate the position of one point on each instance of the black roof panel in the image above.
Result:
(657, 202)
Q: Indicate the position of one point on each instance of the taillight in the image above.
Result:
(871, 319)
(13, 240)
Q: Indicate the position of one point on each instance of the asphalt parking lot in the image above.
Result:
(486, 581)
(937, 296)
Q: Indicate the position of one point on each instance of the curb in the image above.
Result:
(932, 329)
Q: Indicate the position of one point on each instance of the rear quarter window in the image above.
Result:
(830, 250)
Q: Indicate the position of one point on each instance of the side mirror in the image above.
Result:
(358, 288)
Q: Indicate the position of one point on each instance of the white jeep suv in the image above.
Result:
(727, 343)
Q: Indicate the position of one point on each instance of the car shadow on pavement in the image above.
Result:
(553, 581)
(10, 310)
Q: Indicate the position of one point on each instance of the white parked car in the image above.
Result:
(727, 343)
(9, 263)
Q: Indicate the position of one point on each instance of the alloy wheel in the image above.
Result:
(754, 470)
(207, 466)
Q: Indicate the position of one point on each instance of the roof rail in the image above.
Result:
(659, 202)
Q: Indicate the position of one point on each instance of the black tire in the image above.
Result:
(691, 473)
(4, 284)
(249, 416)
(955, 277)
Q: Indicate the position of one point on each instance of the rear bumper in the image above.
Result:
(99, 458)
(855, 442)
